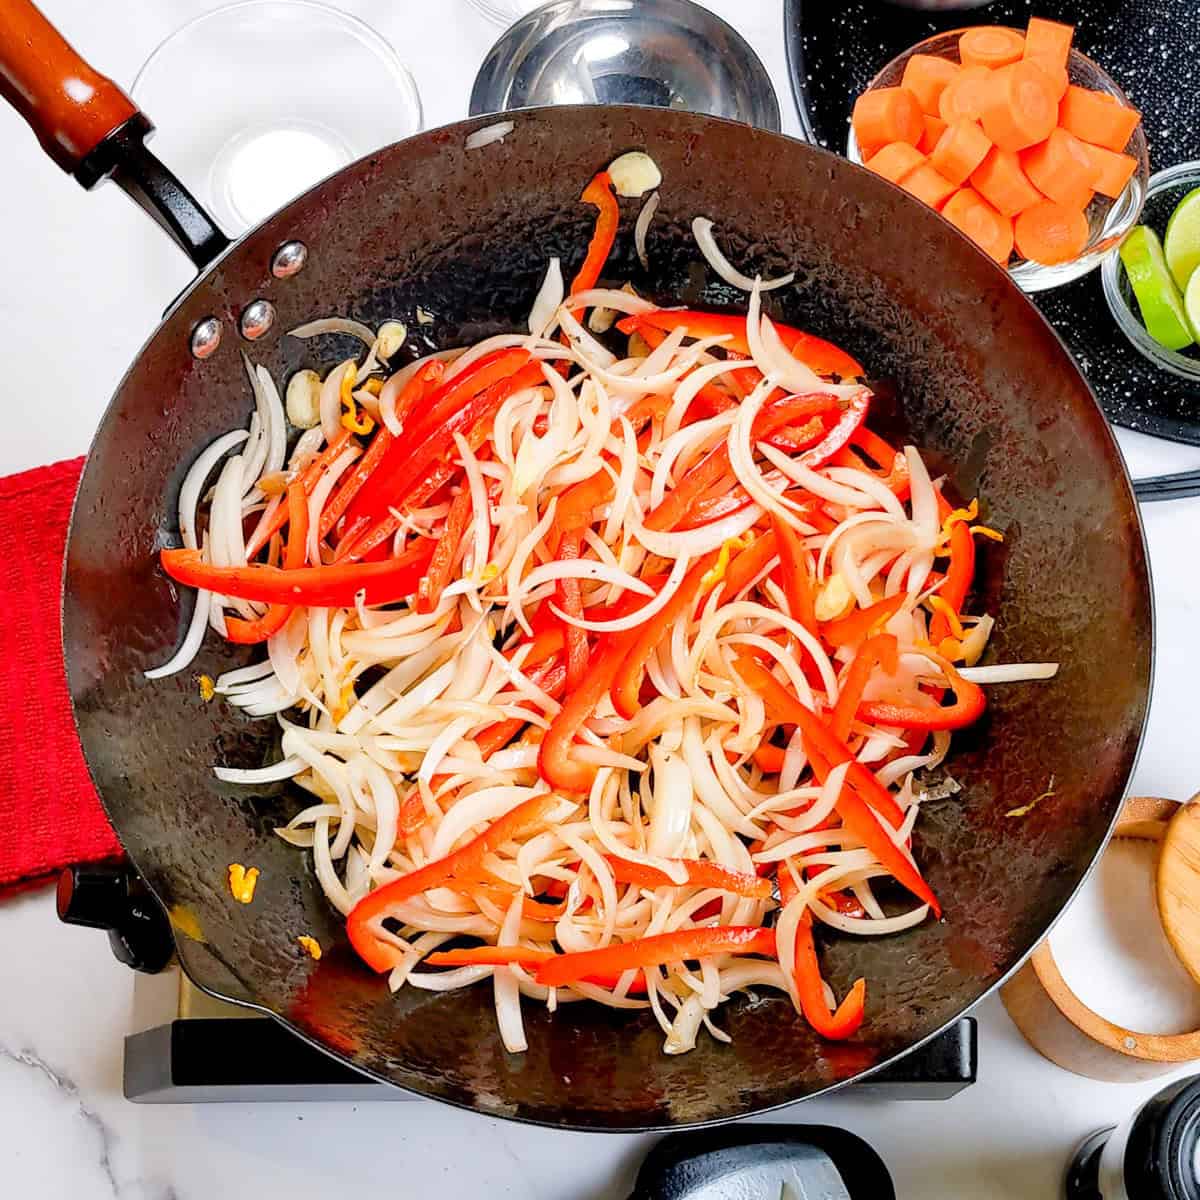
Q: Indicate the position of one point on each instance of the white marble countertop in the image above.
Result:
(84, 279)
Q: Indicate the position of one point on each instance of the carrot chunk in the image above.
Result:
(1019, 107)
(885, 115)
(1051, 233)
(965, 95)
(934, 128)
(927, 185)
(990, 46)
(1048, 42)
(959, 151)
(1097, 118)
(926, 76)
(895, 161)
(1000, 180)
(1112, 171)
(990, 230)
(1061, 169)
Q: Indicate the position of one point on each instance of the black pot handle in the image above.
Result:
(91, 129)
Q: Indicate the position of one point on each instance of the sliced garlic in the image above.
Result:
(304, 399)
(391, 337)
(634, 174)
(834, 599)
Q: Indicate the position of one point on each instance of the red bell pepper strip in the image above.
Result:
(576, 505)
(893, 465)
(571, 599)
(880, 650)
(769, 758)
(862, 622)
(655, 950)
(405, 461)
(600, 193)
(969, 705)
(429, 466)
(746, 565)
(780, 701)
(247, 633)
(552, 679)
(556, 762)
(959, 576)
(547, 641)
(819, 355)
(334, 586)
(437, 575)
(308, 477)
(369, 913)
(797, 575)
(628, 680)
(851, 419)
(359, 473)
(699, 874)
(852, 806)
(715, 472)
(360, 541)
(835, 1026)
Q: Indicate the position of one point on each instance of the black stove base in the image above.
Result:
(254, 1059)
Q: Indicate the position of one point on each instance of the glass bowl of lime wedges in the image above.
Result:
(1152, 284)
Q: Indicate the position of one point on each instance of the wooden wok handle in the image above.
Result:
(70, 107)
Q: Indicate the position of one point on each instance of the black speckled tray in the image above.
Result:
(1151, 48)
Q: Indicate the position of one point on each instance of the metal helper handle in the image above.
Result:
(1167, 487)
(91, 129)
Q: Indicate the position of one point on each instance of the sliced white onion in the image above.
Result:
(1010, 672)
(546, 302)
(702, 231)
(331, 399)
(194, 480)
(496, 132)
(284, 769)
(584, 568)
(639, 616)
(193, 639)
(642, 228)
(334, 325)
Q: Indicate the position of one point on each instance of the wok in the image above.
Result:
(985, 385)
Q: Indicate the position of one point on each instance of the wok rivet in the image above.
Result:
(289, 260)
(206, 337)
(257, 317)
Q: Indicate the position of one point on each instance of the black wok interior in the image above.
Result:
(984, 384)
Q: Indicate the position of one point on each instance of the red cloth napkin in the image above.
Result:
(47, 803)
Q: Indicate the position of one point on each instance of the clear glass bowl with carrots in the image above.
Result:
(1023, 143)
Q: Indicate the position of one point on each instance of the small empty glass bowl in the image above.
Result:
(258, 100)
(1109, 220)
(1165, 191)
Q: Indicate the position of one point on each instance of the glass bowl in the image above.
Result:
(1165, 191)
(257, 101)
(1108, 220)
(505, 12)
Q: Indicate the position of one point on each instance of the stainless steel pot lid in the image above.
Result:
(664, 53)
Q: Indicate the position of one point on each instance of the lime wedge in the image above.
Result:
(1157, 295)
(1191, 303)
(1182, 241)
